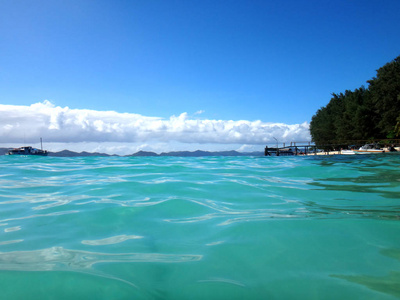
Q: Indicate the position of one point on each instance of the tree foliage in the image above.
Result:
(363, 113)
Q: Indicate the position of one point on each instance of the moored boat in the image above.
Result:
(347, 152)
(28, 150)
(369, 149)
(366, 149)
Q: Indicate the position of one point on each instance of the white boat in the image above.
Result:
(366, 149)
(347, 152)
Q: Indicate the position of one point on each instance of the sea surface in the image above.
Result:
(200, 228)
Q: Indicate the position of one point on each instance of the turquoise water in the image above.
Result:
(200, 228)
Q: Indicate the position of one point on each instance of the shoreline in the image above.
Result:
(386, 150)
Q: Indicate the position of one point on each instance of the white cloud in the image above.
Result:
(127, 131)
(199, 112)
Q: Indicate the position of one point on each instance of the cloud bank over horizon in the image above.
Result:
(63, 125)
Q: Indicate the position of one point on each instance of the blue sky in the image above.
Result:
(272, 61)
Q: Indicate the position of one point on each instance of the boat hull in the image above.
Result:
(376, 151)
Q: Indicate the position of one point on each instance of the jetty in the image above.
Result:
(329, 147)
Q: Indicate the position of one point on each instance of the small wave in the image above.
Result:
(59, 258)
(111, 240)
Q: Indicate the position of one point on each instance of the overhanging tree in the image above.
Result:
(362, 113)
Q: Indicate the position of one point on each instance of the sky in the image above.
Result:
(166, 75)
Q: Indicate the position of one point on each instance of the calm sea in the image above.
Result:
(200, 228)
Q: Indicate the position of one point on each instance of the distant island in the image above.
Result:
(197, 153)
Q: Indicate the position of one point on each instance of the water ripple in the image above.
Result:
(111, 240)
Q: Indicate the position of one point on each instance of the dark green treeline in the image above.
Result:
(365, 113)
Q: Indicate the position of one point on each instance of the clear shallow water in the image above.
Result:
(200, 228)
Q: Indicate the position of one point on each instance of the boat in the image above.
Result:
(347, 152)
(366, 149)
(369, 149)
(28, 150)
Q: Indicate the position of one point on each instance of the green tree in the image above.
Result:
(363, 113)
(385, 92)
(322, 127)
(397, 127)
(324, 123)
